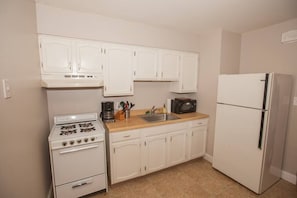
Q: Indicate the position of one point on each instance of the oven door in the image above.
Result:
(74, 163)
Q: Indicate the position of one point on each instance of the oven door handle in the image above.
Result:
(78, 149)
(82, 183)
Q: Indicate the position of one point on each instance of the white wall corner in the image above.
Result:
(208, 157)
(289, 177)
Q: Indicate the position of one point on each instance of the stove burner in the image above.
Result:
(87, 129)
(86, 124)
(67, 127)
(69, 132)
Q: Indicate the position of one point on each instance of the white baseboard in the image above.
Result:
(50, 191)
(289, 177)
(208, 157)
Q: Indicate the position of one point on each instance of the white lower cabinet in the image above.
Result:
(155, 152)
(197, 138)
(176, 147)
(138, 152)
(125, 156)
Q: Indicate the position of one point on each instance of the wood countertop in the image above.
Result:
(136, 122)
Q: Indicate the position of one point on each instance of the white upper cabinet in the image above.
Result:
(146, 64)
(56, 54)
(70, 56)
(169, 65)
(118, 70)
(152, 64)
(187, 82)
(89, 57)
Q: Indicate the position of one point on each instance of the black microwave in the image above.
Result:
(183, 105)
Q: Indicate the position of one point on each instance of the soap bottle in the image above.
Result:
(164, 109)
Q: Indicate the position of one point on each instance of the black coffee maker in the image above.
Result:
(107, 113)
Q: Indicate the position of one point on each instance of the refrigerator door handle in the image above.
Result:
(261, 130)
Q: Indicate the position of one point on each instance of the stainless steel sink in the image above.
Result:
(159, 117)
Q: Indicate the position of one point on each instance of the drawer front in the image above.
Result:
(82, 187)
(124, 135)
(151, 131)
(200, 122)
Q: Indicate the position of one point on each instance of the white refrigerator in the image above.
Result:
(250, 130)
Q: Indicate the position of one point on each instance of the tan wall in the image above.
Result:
(230, 57)
(24, 159)
(210, 58)
(262, 51)
(68, 23)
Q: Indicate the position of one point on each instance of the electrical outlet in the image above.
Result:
(295, 101)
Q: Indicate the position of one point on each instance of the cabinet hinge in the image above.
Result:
(42, 64)
(134, 53)
(170, 139)
(104, 51)
(40, 45)
(101, 67)
(165, 139)
(113, 150)
(134, 73)
(145, 168)
(144, 143)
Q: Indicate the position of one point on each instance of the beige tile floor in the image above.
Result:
(196, 178)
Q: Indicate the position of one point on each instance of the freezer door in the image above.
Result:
(236, 151)
(246, 90)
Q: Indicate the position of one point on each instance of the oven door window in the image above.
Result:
(78, 162)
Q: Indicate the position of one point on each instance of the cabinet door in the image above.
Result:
(146, 64)
(198, 141)
(177, 147)
(169, 65)
(187, 82)
(118, 79)
(126, 160)
(189, 72)
(155, 153)
(55, 54)
(89, 57)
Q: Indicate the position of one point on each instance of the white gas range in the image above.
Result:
(78, 157)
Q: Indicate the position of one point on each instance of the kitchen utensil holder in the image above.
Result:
(127, 114)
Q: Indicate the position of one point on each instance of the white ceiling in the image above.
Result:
(193, 16)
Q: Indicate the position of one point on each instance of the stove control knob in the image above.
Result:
(71, 142)
(93, 139)
(78, 141)
(64, 143)
(86, 139)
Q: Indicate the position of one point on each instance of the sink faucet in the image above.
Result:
(153, 109)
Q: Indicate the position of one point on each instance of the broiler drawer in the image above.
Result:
(82, 187)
